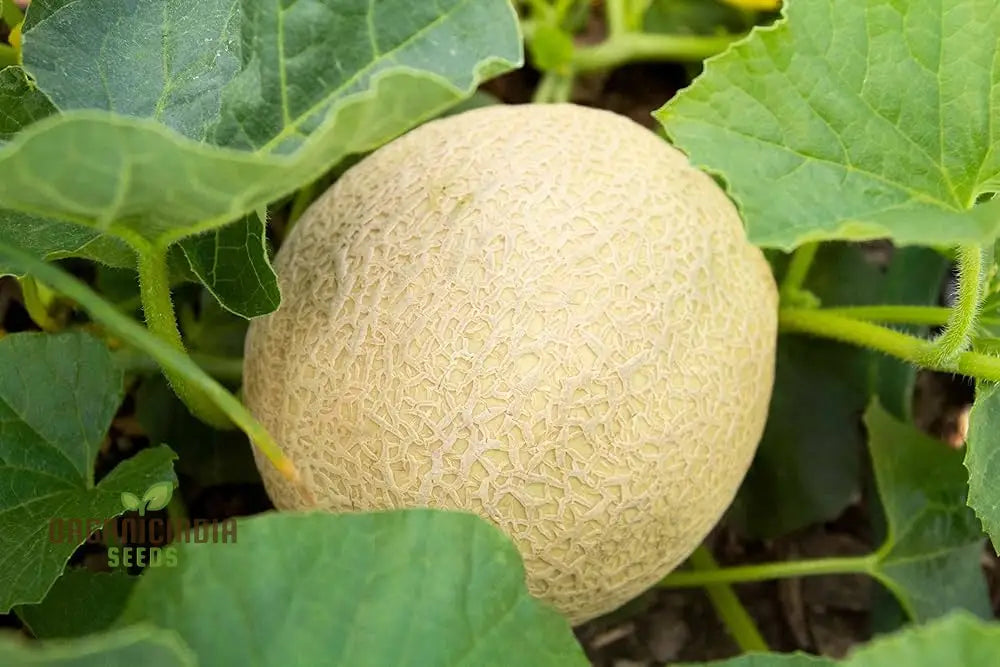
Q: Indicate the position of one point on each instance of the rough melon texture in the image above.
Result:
(541, 314)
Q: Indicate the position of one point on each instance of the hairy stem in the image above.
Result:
(729, 608)
(225, 369)
(632, 46)
(134, 334)
(766, 571)
(957, 335)
(825, 324)
(158, 309)
(798, 267)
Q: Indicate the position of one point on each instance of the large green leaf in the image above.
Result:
(983, 460)
(58, 394)
(855, 120)
(168, 60)
(318, 80)
(930, 558)
(416, 587)
(101, 594)
(138, 645)
(958, 639)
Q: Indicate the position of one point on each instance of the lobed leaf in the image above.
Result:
(446, 587)
(930, 558)
(58, 394)
(855, 120)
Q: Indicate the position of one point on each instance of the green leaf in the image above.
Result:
(318, 81)
(930, 559)
(58, 394)
(551, 48)
(232, 262)
(808, 465)
(21, 104)
(50, 239)
(958, 639)
(80, 603)
(982, 459)
(446, 586)
(138, 645)
(163, 60)
(852, 120)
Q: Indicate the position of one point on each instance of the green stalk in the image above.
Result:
(8, 55)
(798, 267)
(158, 309)
(729, 608)
(929, 316)
(178, 363)
(824, 324)
(957, 335)
(11, 13)
(224, 369)
(632, 46)
(616, 17)
(767, 571)
(35, 304)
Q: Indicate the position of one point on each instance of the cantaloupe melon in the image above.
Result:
(542, 314)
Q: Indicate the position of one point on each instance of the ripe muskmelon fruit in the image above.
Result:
(541, 314)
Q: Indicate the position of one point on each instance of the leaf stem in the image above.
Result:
(35, 304)
(632, 46)
(798, 267)
(957, 334)
(11, 13)
(824, 324)
(727, 605)
(8, 55)
(616, 17)
(158, 309)
(766, 571)
(224, 369)
(169, 357)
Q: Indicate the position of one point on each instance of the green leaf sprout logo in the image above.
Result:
(155, 498)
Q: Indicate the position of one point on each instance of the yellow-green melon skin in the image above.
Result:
(542, 314)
